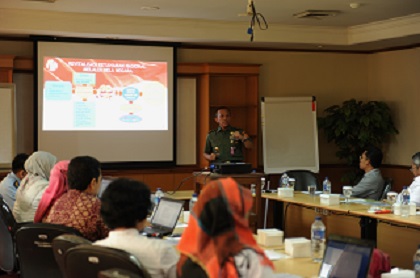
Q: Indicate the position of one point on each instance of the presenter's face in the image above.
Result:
(223, 118)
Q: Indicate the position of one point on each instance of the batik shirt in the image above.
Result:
(81, 211)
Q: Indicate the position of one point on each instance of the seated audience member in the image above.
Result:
(38, 166)
(414, 188)
(11, 182)
(371, 185)
(218, 241)
(56, 188)
(125, 205)
(79, 207)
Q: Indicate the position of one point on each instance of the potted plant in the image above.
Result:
(355, 125)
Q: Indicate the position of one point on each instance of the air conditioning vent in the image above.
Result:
(316, 14)
(47, 1)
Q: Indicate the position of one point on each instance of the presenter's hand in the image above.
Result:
(238, 135)
(212, 156)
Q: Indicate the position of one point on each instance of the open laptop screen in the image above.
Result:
(167, 212)
(346, 257)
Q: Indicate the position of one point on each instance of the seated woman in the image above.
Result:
(79, 207)
(56, 188)
(125, 204)
(38, 166)
(218, 241)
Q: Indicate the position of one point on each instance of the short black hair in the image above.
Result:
(82, 169)
(18, 162)
(124, 203)
(221, 108)
(374, 155)
(416, 159)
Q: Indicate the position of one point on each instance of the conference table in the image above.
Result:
(396, 235)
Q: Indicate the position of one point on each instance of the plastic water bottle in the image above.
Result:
(326, 186)
(284, 181)
(416, 262)
(405, 204)
(317, 239)
(193, 200)
(158, 194)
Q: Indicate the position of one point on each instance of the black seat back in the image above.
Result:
(34, 246)
(64, 242)
(8, 261)
(89, 260)
(303, 178)
(387, 187)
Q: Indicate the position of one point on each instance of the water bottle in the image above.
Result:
(158, 194)
(326, 186)
(416, 262)
(262, 184)
(405, 204)
(193, 200)
(284, 181)
(317, 239)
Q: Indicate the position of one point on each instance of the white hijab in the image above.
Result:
(30, 191)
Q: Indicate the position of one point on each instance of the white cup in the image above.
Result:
(412, 208)
(397, 208)
(186, 216)
(391, 197)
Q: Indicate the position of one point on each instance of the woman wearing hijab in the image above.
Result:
(218, 241)
(38, 166)
(57, 187)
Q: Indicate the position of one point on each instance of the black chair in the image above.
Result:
(303, 178)
(62, 243)
(34, 247)
(89, 260)
(8, 262)
(387, 187)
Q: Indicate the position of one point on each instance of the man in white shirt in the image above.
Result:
(414, 188)
(124, 208)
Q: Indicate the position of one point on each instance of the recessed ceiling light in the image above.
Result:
(148, 8)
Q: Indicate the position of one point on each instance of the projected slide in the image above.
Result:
(95, 94)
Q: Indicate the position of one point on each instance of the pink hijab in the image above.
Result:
(57, 187)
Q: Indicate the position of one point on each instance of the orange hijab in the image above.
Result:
(218, 230)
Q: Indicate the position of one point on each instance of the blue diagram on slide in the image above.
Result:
(58, 90)
(130, 94)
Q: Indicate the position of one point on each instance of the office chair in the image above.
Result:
(303, 178)
(387, 187)
(89, 260)
(34, 247)
(8, 262)
(64, 242)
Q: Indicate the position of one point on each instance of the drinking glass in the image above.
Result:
(347, 190)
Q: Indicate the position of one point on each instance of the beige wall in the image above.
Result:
(331, 77)
(394, 77)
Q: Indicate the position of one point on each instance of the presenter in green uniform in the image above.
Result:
(225, 143)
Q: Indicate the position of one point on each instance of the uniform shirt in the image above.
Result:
(229, 150)
(8, 187)
(414, 189)
(156, 255)
(81, 211)
(370, 186)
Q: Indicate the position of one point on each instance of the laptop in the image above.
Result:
(104, 184)
(164, 219)
(346, 257)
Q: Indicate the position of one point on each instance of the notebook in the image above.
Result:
(346, 257)
(165, 217)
